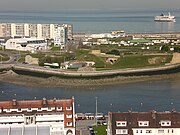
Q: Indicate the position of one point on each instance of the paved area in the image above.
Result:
(82, 126)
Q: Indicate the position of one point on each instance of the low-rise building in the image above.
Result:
(26, 44)
(76, 64)
(144, 123)
(37, 117)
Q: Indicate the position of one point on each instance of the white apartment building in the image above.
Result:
(37, 117)
(60, 33)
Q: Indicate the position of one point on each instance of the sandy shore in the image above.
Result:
(11, 77)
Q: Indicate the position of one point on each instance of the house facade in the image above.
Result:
(37, 117)
(144, 123)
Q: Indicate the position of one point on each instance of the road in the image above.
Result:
(82, 126)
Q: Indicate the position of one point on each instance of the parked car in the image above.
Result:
(90, 128)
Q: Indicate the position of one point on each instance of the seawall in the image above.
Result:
(46, 72)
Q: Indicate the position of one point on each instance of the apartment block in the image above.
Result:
(37, 117)
(144, 123)
(60, 33)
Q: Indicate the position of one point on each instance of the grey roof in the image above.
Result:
(25, 130)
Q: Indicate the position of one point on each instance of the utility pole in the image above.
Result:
(96, 112)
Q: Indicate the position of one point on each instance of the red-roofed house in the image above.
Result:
(37, 117)
(144, 123)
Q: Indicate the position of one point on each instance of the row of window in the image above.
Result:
(36, 109)
(168, 131)
(148, 131)
(143, 123)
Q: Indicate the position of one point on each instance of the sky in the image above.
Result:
(55, 5)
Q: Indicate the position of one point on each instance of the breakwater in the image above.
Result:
(48, 72)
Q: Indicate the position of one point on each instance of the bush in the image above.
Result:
(114, 52)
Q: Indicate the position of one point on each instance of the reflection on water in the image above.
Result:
(164, 26)
(159, 95)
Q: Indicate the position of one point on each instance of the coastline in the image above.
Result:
(31, 81)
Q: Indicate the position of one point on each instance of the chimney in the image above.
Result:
(54, 100)
(44, 102)
(14, 102)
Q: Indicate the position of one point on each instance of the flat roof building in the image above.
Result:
(26, 44)
(37, 117)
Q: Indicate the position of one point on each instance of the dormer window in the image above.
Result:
(59, 108)
(165, 123)
(143, 123)
(121, 123)
(68, 108)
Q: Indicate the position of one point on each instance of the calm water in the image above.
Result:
(99, 21)
(142, 96)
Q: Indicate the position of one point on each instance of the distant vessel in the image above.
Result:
(165, 18)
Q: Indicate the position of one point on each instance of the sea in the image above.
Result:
(99, 21)
(159, 95)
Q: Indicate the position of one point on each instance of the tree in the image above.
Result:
(165, 48)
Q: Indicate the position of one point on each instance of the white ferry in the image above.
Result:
(165, 18)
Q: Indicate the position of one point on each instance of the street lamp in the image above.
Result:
(96, 112)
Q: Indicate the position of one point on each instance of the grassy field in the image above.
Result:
(137, 61)
(100, 130)
(3, 57)
(84, 55)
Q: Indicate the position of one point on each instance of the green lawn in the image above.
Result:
(4, 57)
(84, 55)
(139, 61)
(100, 130)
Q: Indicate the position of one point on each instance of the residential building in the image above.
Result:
(144, 123)
(60, 37)
(60, 33)
(37, 117)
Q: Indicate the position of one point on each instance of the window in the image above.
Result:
(143, 123)
(68, 108)
(69, 116)
(121, 131)
(121, 123)
(165, 123)
(160, 131)
(69, 124)
(59, 108)
(148, 131)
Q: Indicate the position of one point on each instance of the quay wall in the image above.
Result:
(4, 67)
(44, 72)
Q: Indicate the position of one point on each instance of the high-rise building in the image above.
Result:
(60, 37)
(60, 33)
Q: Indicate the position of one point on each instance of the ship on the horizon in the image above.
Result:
(165, 18)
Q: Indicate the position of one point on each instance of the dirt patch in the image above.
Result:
(176, 58)
(156, 60)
